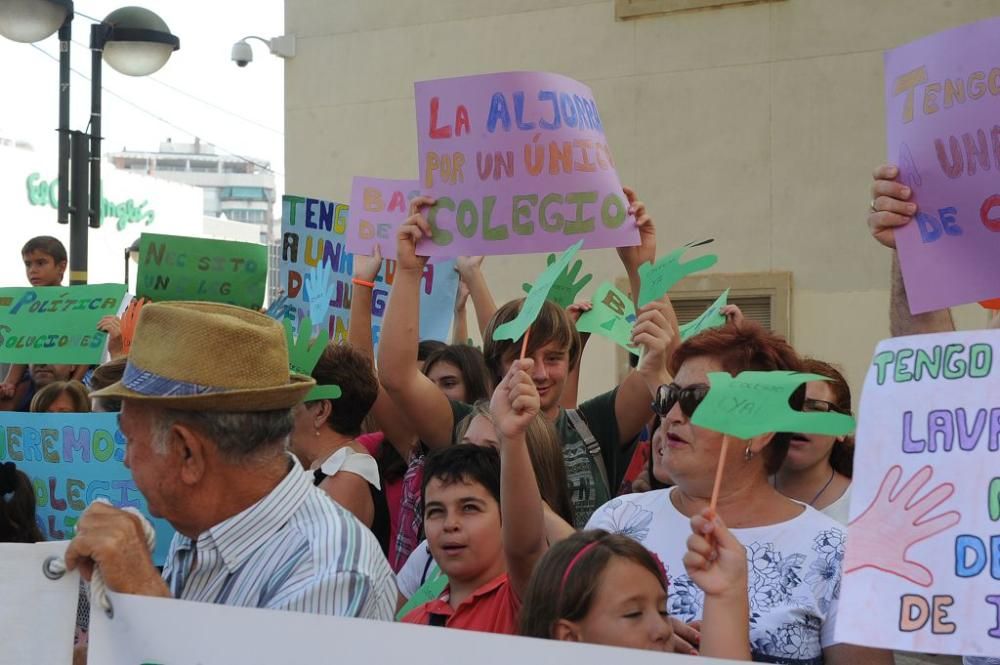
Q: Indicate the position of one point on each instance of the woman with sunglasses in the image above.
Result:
(818, 468)
(794, 552)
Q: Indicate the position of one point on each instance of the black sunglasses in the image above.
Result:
(821, 406)
(669, 394)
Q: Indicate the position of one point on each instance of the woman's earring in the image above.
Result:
(748, 454)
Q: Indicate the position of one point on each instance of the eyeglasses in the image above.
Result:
(689, 398)
(821, 406)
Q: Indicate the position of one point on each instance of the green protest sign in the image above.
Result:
(56, 324)
(515, 328)
(710, 318)
(430, 590)
(753, 403)
(181, 268)
(659, 277)
(612, 315)
(567, 287)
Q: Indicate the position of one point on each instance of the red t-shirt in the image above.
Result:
(492, 608)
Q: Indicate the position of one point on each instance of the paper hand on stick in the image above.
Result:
(514, 329)
(304, 353)
(896, 520)
(319, 290)
(277, 309)
(130, 317)
(755, 403)
(710, 318)
(566, 287)
(612, 315)
(658, 278)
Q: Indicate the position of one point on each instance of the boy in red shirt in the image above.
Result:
(488, 561)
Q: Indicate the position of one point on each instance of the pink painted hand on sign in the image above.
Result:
(896, 520)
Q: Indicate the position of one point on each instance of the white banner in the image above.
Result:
(922, 569)
(173, 632)
(37, 615)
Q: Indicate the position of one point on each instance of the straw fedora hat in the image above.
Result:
(208, 357)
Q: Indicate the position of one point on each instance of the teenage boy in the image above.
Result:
(488, 559)
(44, 265)
(597, 436)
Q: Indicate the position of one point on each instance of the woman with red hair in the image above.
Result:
(794, 552)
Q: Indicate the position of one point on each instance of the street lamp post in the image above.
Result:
(135, 42)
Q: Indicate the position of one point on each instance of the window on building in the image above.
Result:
(764, 297)
(625, 9)
(243, 194)
(244, 215)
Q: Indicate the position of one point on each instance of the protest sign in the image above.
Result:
(519, 164)
(179, 268)
(38, 614)
(942, 99)
(73, 459)
(315, 263)
(923, 547)
(658, 277)
(56, 324)
(568, 283)
(612, 315)
(710, 318)
(753, 403)
(378, 208)
(224, 635)
(536, 297)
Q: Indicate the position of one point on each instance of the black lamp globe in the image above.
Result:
(135, 41)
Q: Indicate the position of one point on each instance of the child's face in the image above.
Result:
(42, 269)
(628, 610)
(549, 374)
(462, 525)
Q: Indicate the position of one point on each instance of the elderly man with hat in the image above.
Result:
(207, 402)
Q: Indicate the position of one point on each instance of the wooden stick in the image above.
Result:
(718, 473)
(524, 343)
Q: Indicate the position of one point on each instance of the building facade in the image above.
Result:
(757, 124)
(241, 190)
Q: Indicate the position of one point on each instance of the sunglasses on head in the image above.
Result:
(669, 394)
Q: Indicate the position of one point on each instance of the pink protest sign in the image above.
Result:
(520, 164)
(378, 209)
(942, 106)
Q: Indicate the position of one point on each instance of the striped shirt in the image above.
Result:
(295, 549)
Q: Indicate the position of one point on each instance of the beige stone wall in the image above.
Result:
(755, 124)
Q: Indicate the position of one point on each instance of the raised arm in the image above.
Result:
(470, 270)
(396, 428)
(460, 325)
(717, 563)
(515, 405)
(571, 393)
(891, 209)
(414, 394)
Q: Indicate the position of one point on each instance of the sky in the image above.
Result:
(249, 120)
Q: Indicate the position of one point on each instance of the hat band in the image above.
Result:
(152, 384)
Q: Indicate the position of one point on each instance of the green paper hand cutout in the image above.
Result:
(710, 318)
(513, 330)
(659, 277)
(565, 289)
(755, 403)
(304, 353)
(612, 316)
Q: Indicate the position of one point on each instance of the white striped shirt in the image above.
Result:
(295, 549)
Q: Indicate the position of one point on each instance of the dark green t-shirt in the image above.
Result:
(587, 488)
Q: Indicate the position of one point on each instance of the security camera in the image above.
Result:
(242, 54)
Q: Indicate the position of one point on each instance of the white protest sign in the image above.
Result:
(37, 615)
(146, 630)
(923, 546)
